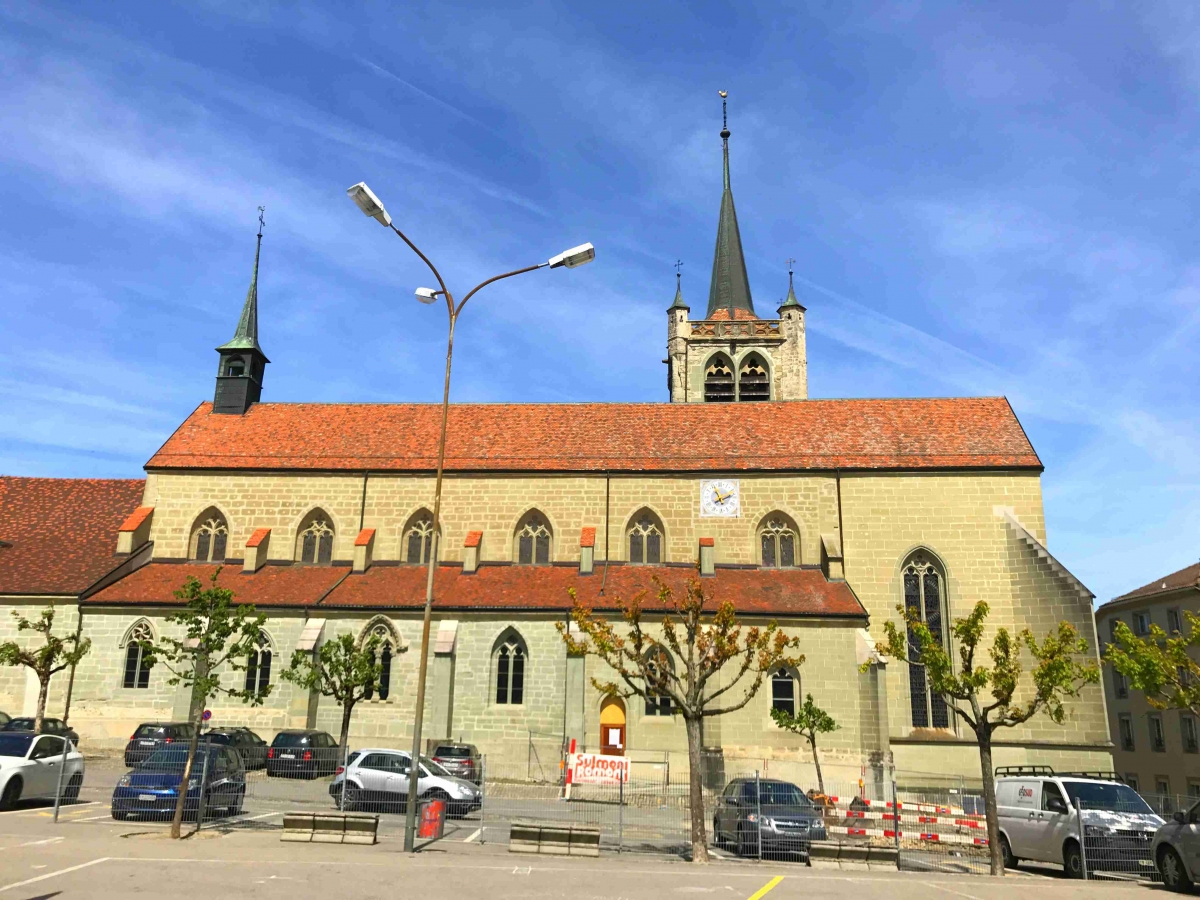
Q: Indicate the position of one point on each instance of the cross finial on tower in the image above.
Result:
(724, 114)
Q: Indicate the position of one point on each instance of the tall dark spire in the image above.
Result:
(240, 371)
(730, 287)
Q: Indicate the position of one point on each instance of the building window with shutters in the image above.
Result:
(645, 539)
(137, 642)
(1125, 728)
(1187, 729)
(718, 380)
(754, 380)
(314, 543)
(533, 539)
(210, 536)
(924, 595)
(1158, 740)
(509, 658)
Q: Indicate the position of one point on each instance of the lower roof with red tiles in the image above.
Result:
(784, 593)
(955, 433)
(59, 535)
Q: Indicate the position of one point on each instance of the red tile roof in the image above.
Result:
(722, 314)
(708, 542)
(1184, 578)
(59, 535)
(587, 537)
(364, 537)
(773, 592)
(260, 535)
(135, 519)
(473, 539)
(808, 434)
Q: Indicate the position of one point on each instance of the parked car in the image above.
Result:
(773, 815)
(302, 754)
(1036, 811)
(152, 789)
(49, 726)
(460, 760)
(150, 736)
(379, 777)
(251, 747)
(29, 768)
(1176, 849)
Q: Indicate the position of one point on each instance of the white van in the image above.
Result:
(1039, 821)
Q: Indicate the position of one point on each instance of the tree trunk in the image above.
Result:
(43, 690)
(344, 741)
(194, 714)
(989, 801)
(812, 741)
(696, 792)
(71, 677)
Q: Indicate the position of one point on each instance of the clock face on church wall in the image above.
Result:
(719, 498)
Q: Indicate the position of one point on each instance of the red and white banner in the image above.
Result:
(596, 768)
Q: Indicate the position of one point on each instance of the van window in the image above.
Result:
(1107, 796)
(1052, 798)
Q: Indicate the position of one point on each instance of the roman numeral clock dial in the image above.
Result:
(719, 499)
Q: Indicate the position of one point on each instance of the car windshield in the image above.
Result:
(20, 724)
(780, 793)
(290, 740)
(450, 751)
(172, 759)
(216, 737)
(1106, 796)
(150, 731)
(434, 767)
(15, 744)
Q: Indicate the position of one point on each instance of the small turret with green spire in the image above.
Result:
(240, 371)
(791, 302)
(678, 302)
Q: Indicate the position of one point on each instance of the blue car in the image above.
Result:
(152, 789)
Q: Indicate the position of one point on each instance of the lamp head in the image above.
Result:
(364, 198)
(426, 295)
(576, 256)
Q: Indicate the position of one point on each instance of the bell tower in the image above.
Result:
(242, 362)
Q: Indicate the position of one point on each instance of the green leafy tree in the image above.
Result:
(344, 668)
(55, 654)
(1160, 665)
(216, 632)
(984, 697)
(696, 639)
(808, 722)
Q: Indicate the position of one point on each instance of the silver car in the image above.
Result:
(1176, 849)
(378, 777)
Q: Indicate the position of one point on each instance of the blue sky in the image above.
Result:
(994, 199)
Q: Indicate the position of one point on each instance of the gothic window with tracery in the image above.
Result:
(779, 542)
(316, 540)
(258, 668)
(753, 380)
(510, 655)
(785, 688)
(924, 594)
(645, 539)
(418, 538)
(210, 536)
(718, 380)
(388, 648)
(137, 657)
(659, 669)
(533, 541)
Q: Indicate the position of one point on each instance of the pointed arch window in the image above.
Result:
(137, 656)
(785, 690)
(718, 380)
(659, 671)
(645, 539)
(533, 540)
(315, 541)
(389, 647)
(924, 594)
(510, 658)
(754, 382)
(779, 542)
(210, 537)
(258, 668)
(418, 538)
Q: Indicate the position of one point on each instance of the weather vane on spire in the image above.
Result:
(724, 114)
(678, 266)
(261, 220)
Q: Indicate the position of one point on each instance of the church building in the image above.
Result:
(821, 515)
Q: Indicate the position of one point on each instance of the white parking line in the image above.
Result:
(256, 818)
(473, 836)
(17, 884)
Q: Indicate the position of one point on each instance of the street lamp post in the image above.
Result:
(366, 200)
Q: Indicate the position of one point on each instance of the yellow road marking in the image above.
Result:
(766, 888)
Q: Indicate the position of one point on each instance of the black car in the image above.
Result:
(49, 726)
(249, 746)
(460, 760)
(150, 736)
(152, 789)
(766, 814)
(302, 754)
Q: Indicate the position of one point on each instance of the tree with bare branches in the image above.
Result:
(696, 639)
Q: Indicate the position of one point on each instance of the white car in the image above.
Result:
(379, 777)
(30, 765)
(1176, 849)
(1038, 820)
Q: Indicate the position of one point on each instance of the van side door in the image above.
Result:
(1056, 822)
(1021, 818)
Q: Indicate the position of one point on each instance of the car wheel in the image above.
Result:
(120, 815)
(1174, 874)
(1010, 861)
(746, 844)
(12, 793)
(235, 808)
(718, 841)
(71, 793)
(1072, 860)
(350, 800)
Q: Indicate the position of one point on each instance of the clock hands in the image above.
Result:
(721, 498)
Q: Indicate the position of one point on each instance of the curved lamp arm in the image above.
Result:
(432, 268)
